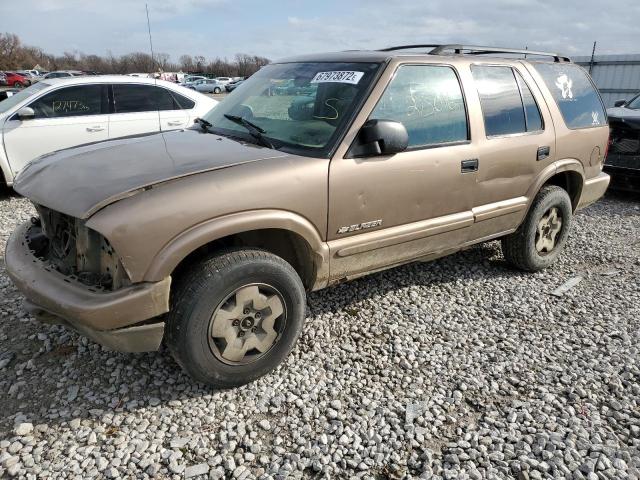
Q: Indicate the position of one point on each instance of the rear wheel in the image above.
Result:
(217, 90)
(235, 317)
(540, 239)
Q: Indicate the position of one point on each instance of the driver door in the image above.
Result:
(387, 210)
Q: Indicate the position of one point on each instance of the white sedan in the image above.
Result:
(56, 114)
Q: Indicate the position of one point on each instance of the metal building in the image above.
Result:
(617, 76)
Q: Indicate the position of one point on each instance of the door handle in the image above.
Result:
(543, 152)
(95, 129)
(468, 166)
(174, 123)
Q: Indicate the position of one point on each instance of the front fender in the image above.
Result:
(206, 232)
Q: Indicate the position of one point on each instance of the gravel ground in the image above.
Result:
(457, 369)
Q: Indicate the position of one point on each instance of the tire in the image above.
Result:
(533, 247)
(206, 311)
(17, 84)
(217, 90)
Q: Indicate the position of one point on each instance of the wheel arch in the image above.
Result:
(282, 233)
(567, 174)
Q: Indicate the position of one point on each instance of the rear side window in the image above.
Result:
(428, 101)
(574, 93)
(141, 98)
(182, 103)
(75, 101)
(507, 103)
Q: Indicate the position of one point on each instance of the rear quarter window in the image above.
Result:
(574, 93)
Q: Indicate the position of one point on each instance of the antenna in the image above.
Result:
(146, 6)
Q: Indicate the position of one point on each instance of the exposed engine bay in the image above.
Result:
(82, 254)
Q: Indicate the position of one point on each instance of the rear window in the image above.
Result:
(574, 93)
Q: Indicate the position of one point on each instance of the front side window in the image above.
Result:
(427, 100)
(22, 95)
(298, 107)
(80, 100)
(141, 98)
(574, 93)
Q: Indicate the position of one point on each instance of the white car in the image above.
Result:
(56, 114)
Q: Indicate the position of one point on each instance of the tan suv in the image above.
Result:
(316, 170)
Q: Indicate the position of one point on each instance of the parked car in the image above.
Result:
(230, 87)
(191, 79)
(623, 158)
(32, 77)
(3, 78)
(63, 74)
(208, 85)
(4, 94)
(207, 238)
(16, 80)
(224, 80)
(61, 113)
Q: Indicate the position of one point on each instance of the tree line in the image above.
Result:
(14, 55)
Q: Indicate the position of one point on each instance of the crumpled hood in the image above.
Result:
(79, 181)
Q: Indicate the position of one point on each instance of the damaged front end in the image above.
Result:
(623, 157)
(70, 274)
(69, 247)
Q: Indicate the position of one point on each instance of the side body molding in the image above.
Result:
(188, 241)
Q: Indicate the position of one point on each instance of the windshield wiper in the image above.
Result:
(254, 130)
(204, 124)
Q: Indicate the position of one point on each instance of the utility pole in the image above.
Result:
(593, 53)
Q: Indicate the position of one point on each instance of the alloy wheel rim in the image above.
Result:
(247, 324)
(549, 226)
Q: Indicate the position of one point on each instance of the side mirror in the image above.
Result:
(620, 103)
(380, 137)
(26, 113)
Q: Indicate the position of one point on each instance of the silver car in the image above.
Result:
(209, 85)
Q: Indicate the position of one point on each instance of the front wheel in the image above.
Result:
(540, 239)
(235, 317)
(217, 90)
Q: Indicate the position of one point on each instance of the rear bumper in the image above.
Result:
(593, 189)
(108, 317)
(623, 178)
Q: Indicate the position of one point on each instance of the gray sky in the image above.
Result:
(275, 29)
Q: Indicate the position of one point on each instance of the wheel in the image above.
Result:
(540, 239)
(217, 90)
(17, 84)
(235, 317)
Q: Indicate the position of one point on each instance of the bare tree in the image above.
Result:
(14, 56)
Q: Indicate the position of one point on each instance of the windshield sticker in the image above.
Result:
(565, 84)
(338, 77)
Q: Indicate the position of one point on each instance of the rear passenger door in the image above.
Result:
(175, 111)
(515, 143)
(135, 110)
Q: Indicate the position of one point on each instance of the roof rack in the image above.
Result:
(477, 50)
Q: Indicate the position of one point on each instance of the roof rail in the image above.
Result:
(477, 50)
(407, 47)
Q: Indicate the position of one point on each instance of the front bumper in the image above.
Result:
(593, 189)
(108, 317)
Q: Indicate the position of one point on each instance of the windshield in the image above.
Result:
(14, 100)
(634, 103)
(298, 107)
